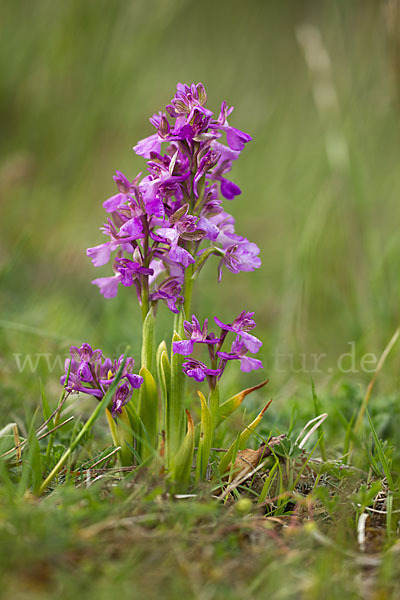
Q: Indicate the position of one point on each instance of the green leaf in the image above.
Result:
(246, 433)
(45, 407)
(35, 460)
(163, 368)
(317, 411)
(184, 459)
(31, 464)
(122, 435)
(205, 440)
(213, 400)
(229, 406)
(174, 408)
(381, 453)
(148, 413)
(148, 340)
(268, 482)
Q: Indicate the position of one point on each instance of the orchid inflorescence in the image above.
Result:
(163, 228)
(243, 343)
(173, 218)
(88, 372)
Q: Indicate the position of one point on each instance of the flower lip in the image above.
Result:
(198, 370)
(238, 352)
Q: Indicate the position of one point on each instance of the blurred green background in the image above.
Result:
(316, 84)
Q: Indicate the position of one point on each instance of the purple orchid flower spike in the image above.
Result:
(173, 217)
(238, 352)
(241, 326)
(198, 370)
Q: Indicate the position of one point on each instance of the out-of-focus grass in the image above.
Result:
(316, 85)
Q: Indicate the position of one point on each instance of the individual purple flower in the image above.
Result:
(124, 188)
(196, 335)
(228, 189)
(211, 231)
(226, 229)
(238, 352)
(161, 181)
(242, 256)
(129, 382)
(207, 162)
(152, 144)
(148, 145)
(236, 139)
(130, 270)
(183, 227)
(176, 253)
(128, 232)
(198, 370)
(75, 383)
(121, 398)
(187, 102)
(241, 326)
(85, 358)
(108, 286)
(109, 369)
(169, 291)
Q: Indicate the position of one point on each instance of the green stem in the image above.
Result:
(188, 287)
(121, 433)
(144, 280)
(213, 402)
(145, 296)
(148, 340)
(175, 402)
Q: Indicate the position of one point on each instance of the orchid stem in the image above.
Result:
(175, 402)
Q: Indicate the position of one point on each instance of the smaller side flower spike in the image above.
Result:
(89, 374)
